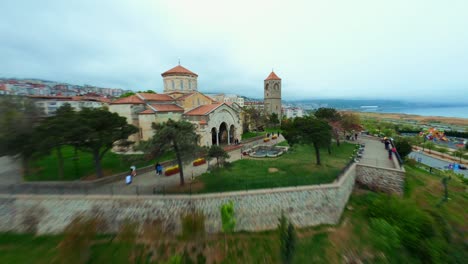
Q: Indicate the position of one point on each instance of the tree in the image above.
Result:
(274, 120)
(254, 118)
(443, 151)
(18, 119)
(429, 145)
(329, 114)
(228, 220)
(288, 238)
(100, 130)
(459, 153)
(57, 131)
(179, 136)
(127, 94)
(219, 153)
(403, 147)
(308, 130)
(350, 122)
(334, 120)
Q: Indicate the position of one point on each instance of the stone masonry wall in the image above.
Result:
(381, 179)
(254, 210)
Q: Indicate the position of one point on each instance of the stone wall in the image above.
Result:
(381, 179)
(254, 210)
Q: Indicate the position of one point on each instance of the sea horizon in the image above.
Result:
(442, 111)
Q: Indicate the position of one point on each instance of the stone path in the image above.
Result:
(375, 153)
(150, 178)
(10, 170)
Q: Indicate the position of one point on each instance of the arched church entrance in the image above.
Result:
(232, 134)
(223, 134)
(214, 134)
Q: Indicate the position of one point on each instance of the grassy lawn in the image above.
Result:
(45, 168)
(296, 167)
(351, 239)
(250, 134)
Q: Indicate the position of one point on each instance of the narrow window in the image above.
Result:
(182, 84)
(173, 84)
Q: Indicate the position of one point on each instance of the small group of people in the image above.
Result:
(129, 178)
(236, 141)
(158, 168)
(352, 137)
(389, 147)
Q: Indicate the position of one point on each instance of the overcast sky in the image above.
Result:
(396, 49)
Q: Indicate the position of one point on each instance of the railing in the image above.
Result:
(400, 161)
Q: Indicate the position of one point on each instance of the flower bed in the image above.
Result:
(266, 139)
(199, 162)
(172, 170)
(274, 137)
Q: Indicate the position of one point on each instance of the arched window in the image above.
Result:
(276, 86)
(266, 86)
(181, 84)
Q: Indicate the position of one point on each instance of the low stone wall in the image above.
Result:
(254, 210)
(381, 179)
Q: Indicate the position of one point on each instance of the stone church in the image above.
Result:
(217, 123)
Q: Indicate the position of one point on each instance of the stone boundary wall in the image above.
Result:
(381, 179)
(254, 210)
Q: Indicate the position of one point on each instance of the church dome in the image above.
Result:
(177, 70)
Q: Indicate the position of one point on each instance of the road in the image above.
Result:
(434, 162)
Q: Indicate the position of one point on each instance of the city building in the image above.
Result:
(292, 112)
(49, 104)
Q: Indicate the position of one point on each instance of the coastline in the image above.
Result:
(456, 121)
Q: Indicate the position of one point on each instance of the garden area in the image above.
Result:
(295, 167)
(375, 228)
(252, 134)
(81, 165)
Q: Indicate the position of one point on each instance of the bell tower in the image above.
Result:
(272, 94)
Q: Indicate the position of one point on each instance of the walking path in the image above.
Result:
(10, 170)
(375, 153)
(151, 179)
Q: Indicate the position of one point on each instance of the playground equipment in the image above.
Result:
(433, 134)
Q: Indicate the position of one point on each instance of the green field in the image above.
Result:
(45, 168)
(353, 239)
(296, 167)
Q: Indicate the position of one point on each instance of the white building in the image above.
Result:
(50, 104)
(292, 112)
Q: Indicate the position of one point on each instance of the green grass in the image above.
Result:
(250, 134)
(45, 168)
(351, 238)
(296, 167)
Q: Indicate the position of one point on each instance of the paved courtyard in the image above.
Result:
(151, 179)
(375, 153)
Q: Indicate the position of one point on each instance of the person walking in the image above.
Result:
(128, 178)
(156, 167)
(133, 171)
(390, 154)
(159, 169)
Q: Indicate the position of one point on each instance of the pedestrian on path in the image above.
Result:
(159, 169)
(390, 154)
(133, 171)
(128, 178)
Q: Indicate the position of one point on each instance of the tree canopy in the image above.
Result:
(308, 130)
(329, 114)
(178, 136)
(218, 153)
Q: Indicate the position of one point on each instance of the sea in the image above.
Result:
(445, 111)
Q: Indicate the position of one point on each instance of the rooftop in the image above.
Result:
(273, 76)
(203, 109)
(178, 70)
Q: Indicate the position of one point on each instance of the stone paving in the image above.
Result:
(10, 170)
(375, 153)
(151, 179)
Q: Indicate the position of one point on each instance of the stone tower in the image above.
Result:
(272, 95)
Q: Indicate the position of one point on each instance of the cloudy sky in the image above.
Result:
(396, 49)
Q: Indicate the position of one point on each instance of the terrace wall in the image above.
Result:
(254, 210)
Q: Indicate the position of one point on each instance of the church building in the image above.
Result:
(217, 123)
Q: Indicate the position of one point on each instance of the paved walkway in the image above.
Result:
(151, 179)
(10, 170)
(375, 153)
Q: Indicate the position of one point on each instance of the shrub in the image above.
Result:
(199, 162)
(288, 238)
(76, 244)
(193, 225)
(227, 217)
(403, 147)
(172, 170)
(384, 235)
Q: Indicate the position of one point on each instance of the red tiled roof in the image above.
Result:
(203, 109)
(272, 76)
(156, 97)
(146, 112)
(133, 99)
(167, 108)
(178, 70)
(202, 122)
(184, 96)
